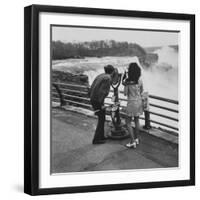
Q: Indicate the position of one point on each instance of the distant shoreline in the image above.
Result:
(101, 49)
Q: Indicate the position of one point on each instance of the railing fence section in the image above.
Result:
(77, 95)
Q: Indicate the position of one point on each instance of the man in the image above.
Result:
(98, 92)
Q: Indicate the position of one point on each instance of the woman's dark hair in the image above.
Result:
(134, 72)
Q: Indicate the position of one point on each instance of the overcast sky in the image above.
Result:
(143, 38)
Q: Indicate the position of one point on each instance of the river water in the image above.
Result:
(161, 79)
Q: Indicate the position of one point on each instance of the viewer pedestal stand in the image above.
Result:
(117, 130)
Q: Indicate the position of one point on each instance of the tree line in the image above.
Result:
(61, 50)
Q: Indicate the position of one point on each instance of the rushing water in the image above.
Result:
(161, 79)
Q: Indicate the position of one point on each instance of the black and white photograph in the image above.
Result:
(114, 99)
(109, 98)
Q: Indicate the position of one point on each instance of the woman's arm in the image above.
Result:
(126, 90)
(141, 87)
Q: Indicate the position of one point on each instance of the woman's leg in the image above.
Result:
(137, 127)
(129, 127)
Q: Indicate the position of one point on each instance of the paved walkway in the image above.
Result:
(72, 150)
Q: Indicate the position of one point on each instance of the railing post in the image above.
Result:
(62, 102)
(147, 120)
(145, 99)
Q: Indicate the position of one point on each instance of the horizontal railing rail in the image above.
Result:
(157, 98)
(78, 95)
(163, 99)
(164, 108)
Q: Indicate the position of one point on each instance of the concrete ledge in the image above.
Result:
(161, 134)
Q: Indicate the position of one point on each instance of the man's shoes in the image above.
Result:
(98, 142)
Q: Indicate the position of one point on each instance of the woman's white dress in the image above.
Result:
(133, 92)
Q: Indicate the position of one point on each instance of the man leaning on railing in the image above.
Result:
(98, 92)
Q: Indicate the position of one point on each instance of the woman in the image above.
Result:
(133, 88)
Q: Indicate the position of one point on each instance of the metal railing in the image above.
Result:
(77, 95)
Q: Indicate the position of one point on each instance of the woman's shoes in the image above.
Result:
(131, 145)
(137, 141)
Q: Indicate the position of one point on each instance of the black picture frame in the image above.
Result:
(31, 98)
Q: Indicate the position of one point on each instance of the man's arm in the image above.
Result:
(104, 89)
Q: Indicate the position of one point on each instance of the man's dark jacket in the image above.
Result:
(100, 88)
